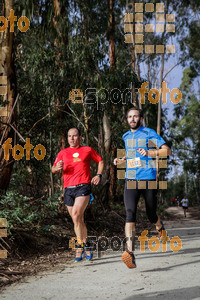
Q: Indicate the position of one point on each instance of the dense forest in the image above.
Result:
(73, 68)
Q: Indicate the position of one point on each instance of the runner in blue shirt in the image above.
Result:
(140, 144)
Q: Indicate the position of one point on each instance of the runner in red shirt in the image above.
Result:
(75, 163)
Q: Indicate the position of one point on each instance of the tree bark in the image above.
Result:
(106, 124)
(159, 103)
(6, 69)
(111, 36)
(107, 133)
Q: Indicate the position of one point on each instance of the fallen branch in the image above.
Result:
(117, 215)
(10, 272)
(1, 274)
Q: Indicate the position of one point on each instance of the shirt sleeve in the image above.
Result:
(159, 140)
(95, 156)
(58, 158)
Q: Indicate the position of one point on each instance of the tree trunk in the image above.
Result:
(6, 69)
(111, 36)
(133, 59)
(107, 133)
(159, 103)
(106, 123)
(86, 119)
(51, 185)
(107, 145)
(57, 12)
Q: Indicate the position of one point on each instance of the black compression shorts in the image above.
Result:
(131, 198)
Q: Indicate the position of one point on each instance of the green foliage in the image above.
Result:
(71, 50)
(23, 213)
(185, 136)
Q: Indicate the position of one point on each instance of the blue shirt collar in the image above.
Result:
(140, 128)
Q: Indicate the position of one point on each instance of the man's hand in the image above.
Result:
(95, 180)
(118, 161)
(142, 151)
(58, 167)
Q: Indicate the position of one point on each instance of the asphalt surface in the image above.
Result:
(159, 275)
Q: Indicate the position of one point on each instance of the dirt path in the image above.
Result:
(159, 275)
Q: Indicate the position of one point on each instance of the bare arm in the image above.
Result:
(96, 179)
(58, 167)
(164, 151)
(100, 167)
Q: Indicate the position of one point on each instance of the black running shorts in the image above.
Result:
(71, 193)
(185, 207)
(131, 198)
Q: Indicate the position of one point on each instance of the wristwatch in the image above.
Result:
(100, 175)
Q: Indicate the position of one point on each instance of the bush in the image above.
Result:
(25, 213)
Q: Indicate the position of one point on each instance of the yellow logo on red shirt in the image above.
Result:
(76, 157)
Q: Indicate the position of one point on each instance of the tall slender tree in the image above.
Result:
(7, 115)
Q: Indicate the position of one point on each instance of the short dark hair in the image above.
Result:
(135, 108)
(79, 131)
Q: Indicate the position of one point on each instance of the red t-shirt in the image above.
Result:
(76, 169)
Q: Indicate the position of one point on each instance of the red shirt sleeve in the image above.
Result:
(95, 156)
(58, 158)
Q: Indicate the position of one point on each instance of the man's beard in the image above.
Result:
(135, 126)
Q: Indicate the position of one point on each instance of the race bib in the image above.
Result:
(134, 163)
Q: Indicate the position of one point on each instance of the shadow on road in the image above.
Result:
(184, 293)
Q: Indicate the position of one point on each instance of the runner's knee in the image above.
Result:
(77, 217)
(130, 216)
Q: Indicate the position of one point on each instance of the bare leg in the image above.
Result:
(77, 214)
(130, 235)
(84, 231)
(158, 224)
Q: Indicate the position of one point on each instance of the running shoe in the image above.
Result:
(79, 253)
(129, 259)
(88, 251)
(162, 233)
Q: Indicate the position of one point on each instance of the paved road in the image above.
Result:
(159, 275)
